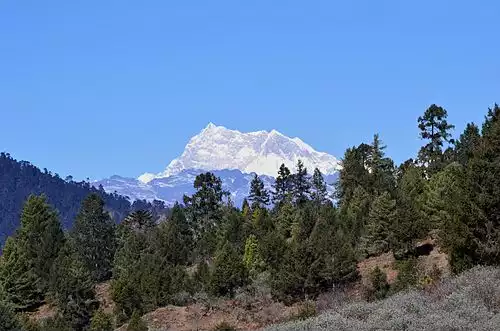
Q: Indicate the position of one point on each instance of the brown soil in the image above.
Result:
(200, 317)
(103, 294)
(385, 262)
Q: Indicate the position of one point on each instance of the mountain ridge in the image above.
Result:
(233, 156)
(261, 152)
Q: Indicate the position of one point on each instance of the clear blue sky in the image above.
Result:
(94, 88)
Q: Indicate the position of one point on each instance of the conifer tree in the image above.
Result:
(258, 196)
(468, 144)
(229, 271)
(435, 128)
(353, 174)
(139, 220)
(410, 222)
(378, 236)
(245, 208)
(355, 213)
(283, 186)
(41, 237)
(18, 277)
(204, 211)
(380, 167)
(29, 255)
(93, 235)
(319, 192)
(301, 184)
(251, 258)
(72, 288)
(174, 238)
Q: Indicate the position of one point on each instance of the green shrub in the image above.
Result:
(407, 275)
(136, 323)
(101, 322)
(380, 287)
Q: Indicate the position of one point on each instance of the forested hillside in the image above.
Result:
(19, 179)
(302, 247)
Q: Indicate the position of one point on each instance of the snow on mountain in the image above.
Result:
(231, 155)
(262, 152)
(173, 188)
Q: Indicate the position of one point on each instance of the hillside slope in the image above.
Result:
(19, 179)
(467, 302)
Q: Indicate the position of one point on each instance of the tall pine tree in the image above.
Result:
(319, 192)
(301, 184)
(29, 255)
(436, 130)
(283, 186)
(258, 195)
(94, 237)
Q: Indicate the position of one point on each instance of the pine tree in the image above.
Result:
(205, 210)
(283, 186)
(245, 208)
(72, 288)
(94, 237)
(380, 167)
(319, 192)
(18, 278)
(353, 174)
(378, 236)
(139, 220)
(29, 255)
(410, 223)
(301, 184)
(450, 208)
(229, 271)
(258, 196)
(467, 144)
(252, 260)
(435, 128)
(355, 213)
(174, 238)
(41, 236)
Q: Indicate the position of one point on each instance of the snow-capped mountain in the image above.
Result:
(173, 188)
(262, 152)
(231, 155)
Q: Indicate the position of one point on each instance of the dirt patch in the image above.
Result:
(43, 312)
(385, 262)
(200, 317)
(103, 294)
(435, 264)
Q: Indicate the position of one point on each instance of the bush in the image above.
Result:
(136, 323)
(8, 319)
(468, 302)
(407, 275)
(379, 288)
(101, 322)
(306, 311)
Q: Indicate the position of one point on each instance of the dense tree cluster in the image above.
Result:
(19, 179)
(296, 237)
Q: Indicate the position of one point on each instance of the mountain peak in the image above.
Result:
(262, 152)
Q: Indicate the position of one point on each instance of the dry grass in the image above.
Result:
(470, 301)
